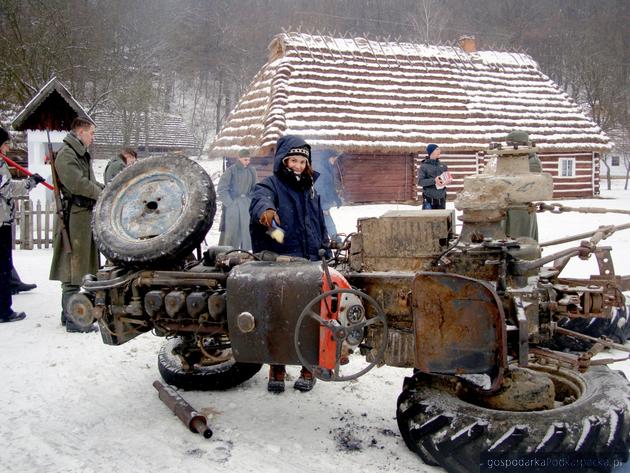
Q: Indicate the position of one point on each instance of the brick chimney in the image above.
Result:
(468, 44)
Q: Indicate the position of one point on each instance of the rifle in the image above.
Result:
(12, 163)
(65, 238)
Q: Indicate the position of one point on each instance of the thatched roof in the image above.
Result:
(374, 96)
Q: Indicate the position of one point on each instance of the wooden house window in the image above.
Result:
(566, 167)
(614, 160)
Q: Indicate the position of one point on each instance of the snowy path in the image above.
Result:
(73, 404)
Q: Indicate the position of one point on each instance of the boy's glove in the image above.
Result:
(269, 216)
(37, 178)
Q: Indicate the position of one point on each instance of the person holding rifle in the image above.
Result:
(9, 189)
(78, 254)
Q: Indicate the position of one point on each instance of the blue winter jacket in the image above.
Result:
(300, 211)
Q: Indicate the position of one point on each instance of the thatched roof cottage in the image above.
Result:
(382, 102)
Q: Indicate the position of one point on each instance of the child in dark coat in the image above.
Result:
(287, 200)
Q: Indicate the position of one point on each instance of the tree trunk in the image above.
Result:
(603, 160)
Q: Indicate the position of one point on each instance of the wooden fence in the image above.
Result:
(33, 225)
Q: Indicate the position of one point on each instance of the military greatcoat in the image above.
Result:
(520, 221)
(80, 190)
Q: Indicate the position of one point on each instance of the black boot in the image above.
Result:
(12, 317)
(71, 327)
(276, 379)
(305, 382)
(21, 287)
(66, 319)
(17, 285)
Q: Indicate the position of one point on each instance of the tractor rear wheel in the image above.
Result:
(590, 417)
(616, 328)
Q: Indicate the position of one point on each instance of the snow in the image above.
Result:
(73, 404)
(321, 74)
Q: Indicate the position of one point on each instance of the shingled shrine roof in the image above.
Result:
(374, 96)
(52, 108)
(164, 130)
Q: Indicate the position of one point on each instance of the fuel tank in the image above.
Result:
(264, 301)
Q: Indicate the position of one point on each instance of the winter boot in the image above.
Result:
(66, 320)
(276, 379)
(17, 285)
(21, 287)
(305, 382)
(12, 317)
(72, 327)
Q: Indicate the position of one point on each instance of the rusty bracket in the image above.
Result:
(523, 339)
(579, 362)
(605, 342)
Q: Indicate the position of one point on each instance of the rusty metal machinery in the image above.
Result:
(485, 320)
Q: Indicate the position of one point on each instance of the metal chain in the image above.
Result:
(559, 208)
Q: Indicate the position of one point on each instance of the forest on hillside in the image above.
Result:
(195, 57)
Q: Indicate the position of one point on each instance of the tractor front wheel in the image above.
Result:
(214, 369)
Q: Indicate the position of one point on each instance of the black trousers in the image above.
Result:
(433, 203)
(6, 263)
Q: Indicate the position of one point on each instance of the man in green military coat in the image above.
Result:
(234, 191)
(79, 191)
(126, 158)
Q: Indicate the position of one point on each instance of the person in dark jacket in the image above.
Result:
(324, 162)
(234, 191)
(126, 158)
(8, 190)
(79, 190)
(432, 179)
(288, 200)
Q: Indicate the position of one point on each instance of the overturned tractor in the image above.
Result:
(484, 322)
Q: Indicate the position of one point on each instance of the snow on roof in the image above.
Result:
(165, 130)
(53, 85)
(361, 95)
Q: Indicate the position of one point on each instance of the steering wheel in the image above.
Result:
(352, 328)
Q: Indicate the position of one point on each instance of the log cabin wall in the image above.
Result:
(573, 174)
(377, 178)
(371, 178)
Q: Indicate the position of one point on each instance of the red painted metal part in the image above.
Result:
(10, 162)
(329, 310)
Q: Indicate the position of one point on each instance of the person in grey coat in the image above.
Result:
(8, 190)
(433, 191)
(324, 162)
(234, 191)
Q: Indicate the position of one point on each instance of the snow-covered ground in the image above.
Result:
(72, 404)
